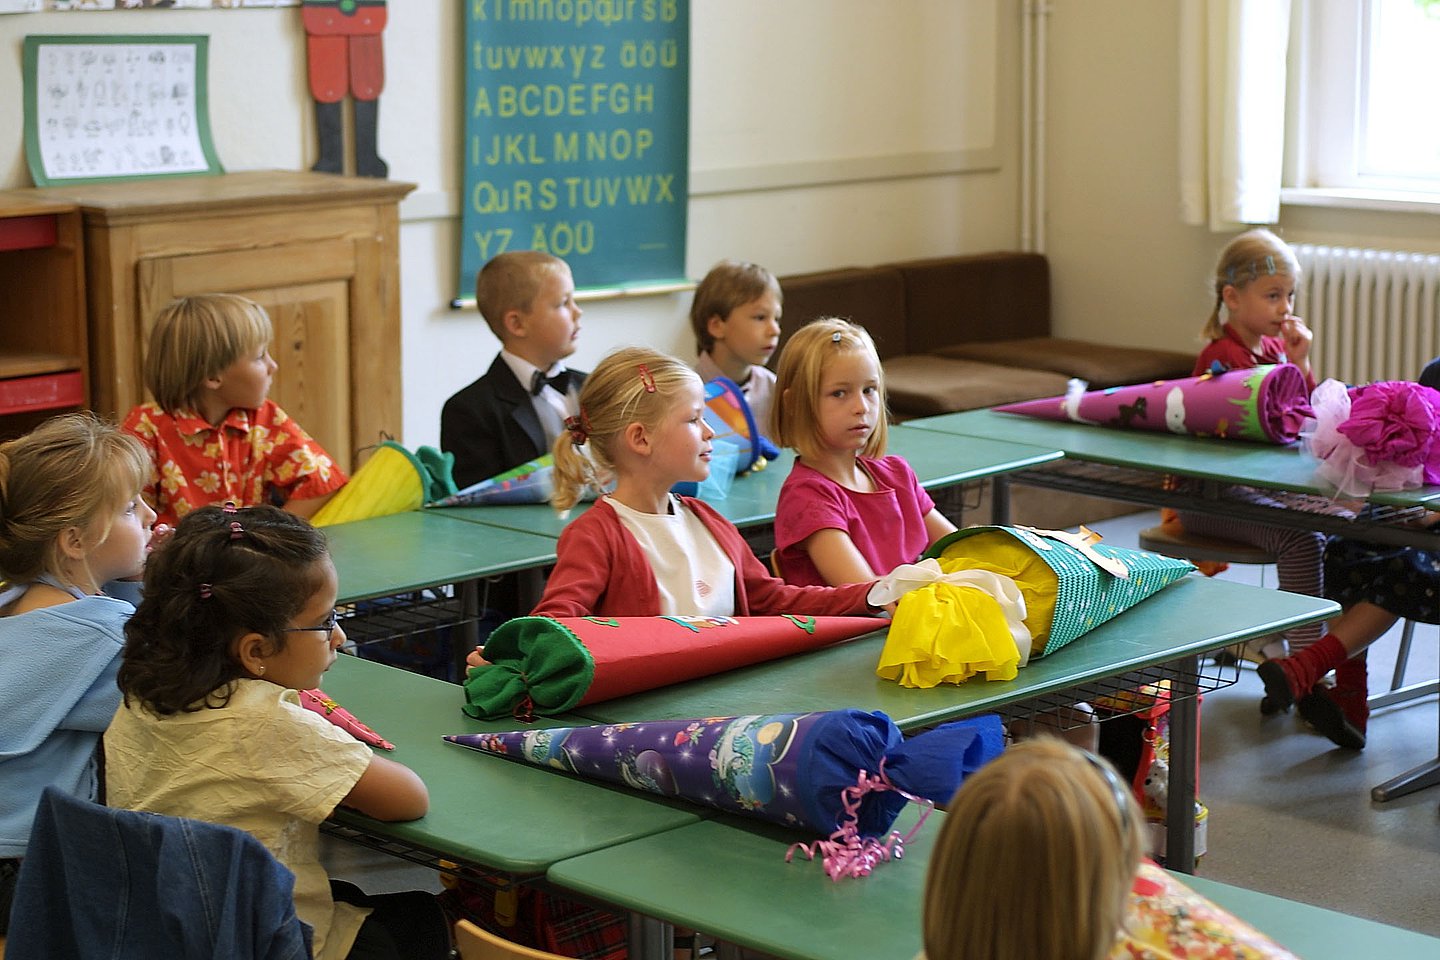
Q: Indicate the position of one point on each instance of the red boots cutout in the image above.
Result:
(1341, 712)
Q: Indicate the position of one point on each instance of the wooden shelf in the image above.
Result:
(44, 349)
(35, 364)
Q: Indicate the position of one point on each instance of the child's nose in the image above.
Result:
(337, 637)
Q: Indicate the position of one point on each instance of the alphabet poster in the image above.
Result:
(116, 107)
(577, 136)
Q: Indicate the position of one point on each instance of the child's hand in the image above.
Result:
(1297, 337)
(476, 658)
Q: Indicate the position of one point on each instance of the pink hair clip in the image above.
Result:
(647, 379)
(206, 591)
(229, 507)
(236, 531)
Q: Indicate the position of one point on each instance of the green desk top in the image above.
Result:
(1191, 616)
(407, 551)
(937, 462)
(1228, 461)
(728, 876)
(483, 809)
(1314, 932)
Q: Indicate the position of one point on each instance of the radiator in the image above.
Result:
(1374, 312)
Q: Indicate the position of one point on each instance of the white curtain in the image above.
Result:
(1232, 110)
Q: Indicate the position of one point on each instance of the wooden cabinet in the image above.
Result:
(319, 252)
(42, 312)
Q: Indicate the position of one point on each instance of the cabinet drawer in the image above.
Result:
(48, 392)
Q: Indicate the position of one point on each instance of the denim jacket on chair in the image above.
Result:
(99, 882)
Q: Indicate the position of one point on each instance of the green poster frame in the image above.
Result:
(34, 155)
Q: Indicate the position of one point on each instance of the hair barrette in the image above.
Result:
(1270, 264)
(647, 379)
(206, 591)
(1230, 276)
(835, 337)
(229, 508)
(236, 531)
(579, 432)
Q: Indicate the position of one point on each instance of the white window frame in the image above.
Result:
(1324, 114)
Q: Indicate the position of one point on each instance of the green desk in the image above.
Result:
(1161, 638)
(484, 811)
(1131, 464)
(409, 551)
(752, 498)
(728, 877)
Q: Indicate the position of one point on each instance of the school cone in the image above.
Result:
(393, 480)
(1268, 404)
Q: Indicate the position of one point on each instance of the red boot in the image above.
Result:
(1290, 679)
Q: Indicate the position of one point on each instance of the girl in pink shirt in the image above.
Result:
(847, 513)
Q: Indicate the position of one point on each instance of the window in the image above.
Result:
(1362, 109)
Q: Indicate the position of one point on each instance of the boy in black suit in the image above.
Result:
(516, 410)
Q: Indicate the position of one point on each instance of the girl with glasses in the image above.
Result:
(238, 618)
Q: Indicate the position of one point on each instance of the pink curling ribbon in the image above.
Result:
(319, 702)
(846, 853)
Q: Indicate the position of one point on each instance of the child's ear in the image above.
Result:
(250, 652)
(1229, 296)
(514, 323)
(72, 543)
(636, 437)
(715, 326)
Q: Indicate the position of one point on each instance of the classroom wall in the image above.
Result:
(806, 153)
(1124, 268)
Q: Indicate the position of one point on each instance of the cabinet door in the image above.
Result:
(310, 292)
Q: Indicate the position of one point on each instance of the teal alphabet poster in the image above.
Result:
(577, 136)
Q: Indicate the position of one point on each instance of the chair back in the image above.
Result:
(117, 884)
(477, 943)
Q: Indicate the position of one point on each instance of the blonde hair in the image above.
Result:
(1253, 254)
(195, 339)
(631, 385)
(71, 471)
(728, 285)
(1036, 859)
(511, 281)
(794, 417)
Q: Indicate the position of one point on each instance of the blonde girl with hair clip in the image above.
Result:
(847, 513)
(1254, 285)
(212, 432)
(1036, 858)
(736, 319)
(71, 519)
(641, 550)
(238, 617)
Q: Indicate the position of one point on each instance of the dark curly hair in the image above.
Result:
(220, 576)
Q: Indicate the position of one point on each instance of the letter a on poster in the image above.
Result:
(577, 136)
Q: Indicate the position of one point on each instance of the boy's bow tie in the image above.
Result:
(561, 381)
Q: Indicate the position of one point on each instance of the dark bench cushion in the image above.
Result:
(1098, 364)
(921, 385)
(873, 297)
(987, 296)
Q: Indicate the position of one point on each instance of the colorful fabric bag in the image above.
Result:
(1070, 582)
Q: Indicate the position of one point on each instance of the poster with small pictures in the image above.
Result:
(116, 107)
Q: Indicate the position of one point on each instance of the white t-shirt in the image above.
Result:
(261, 763)
(694, 575)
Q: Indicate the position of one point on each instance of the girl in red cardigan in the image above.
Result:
(641, 550)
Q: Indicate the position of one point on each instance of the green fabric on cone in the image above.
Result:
(532, 658)
(1087, 595)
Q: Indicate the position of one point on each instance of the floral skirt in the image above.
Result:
(1403, 580)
